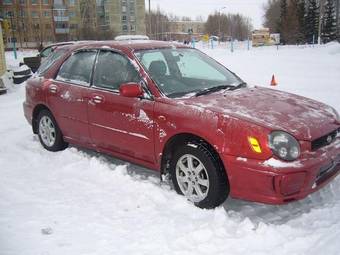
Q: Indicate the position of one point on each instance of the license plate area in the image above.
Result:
(328, 171)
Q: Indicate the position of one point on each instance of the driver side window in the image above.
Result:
(112, 70)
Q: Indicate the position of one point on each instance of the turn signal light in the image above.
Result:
(254, 144)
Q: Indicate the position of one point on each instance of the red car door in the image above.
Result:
(119, 124)
(66, 93)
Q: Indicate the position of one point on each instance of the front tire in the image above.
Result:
(198, 174)
(49, 133)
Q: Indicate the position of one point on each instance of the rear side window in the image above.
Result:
(50, 60)
(78, 68)
(112, 70)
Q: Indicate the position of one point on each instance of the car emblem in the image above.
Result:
(329, 139)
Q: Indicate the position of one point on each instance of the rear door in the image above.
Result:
(66, 95)
(119, 124)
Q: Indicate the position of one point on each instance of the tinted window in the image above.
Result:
(50, 60)
(78, 68)
(112, 70)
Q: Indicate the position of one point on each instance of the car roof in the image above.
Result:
(64, 43)
(124, 45)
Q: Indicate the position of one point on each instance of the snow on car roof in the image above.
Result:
(130, 45)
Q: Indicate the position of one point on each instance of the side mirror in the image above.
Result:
(131, 90)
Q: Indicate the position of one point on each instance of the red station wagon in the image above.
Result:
(173, 109)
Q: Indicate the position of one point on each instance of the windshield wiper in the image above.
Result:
(241, 85)
(221, 87)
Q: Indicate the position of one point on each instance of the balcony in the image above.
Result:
(62, 30)
(61, 18)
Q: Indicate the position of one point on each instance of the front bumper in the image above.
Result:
(277, 182)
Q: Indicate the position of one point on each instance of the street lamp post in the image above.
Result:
(219, 20)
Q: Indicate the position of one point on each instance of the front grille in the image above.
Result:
(325, 140)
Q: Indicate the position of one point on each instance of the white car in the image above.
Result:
(131, 37)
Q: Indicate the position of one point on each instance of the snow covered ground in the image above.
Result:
(80, 202)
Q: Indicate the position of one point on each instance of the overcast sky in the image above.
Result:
(194, 8)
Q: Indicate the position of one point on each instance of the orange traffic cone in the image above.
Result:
(273, 82)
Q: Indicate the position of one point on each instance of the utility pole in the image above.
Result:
(150, 18)
(337, 19)
(320, 20)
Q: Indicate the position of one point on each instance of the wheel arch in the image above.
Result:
(37, 109)
(182, 139)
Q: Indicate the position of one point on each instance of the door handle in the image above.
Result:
(53, 89)
(97, 99)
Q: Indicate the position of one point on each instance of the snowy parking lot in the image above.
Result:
(80, 202)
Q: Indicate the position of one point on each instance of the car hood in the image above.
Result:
(304, 118)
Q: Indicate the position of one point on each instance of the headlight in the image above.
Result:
(284, 145)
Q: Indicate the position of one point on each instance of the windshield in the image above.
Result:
(179, 72)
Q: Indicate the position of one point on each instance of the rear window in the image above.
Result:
(50, 60)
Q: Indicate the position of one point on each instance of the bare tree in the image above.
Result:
(234, 26)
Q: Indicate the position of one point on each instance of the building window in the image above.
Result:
(132, 18)
(22, 13)
(46, 14)
(71, 14)
(71, 2)
(74, 26)
(125, 28)
(124, 18)
(34, 1)
(22, 2)
(133, 28)
(46, 1)
(7, 1)
(9, 14)
(124, 8)
(34, 14)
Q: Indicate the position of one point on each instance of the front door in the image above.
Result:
(119, 124)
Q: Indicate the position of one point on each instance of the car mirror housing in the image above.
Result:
(131, 90)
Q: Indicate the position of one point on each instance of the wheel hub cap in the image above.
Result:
(47, 131)
(192, 178)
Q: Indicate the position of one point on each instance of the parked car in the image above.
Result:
(35, 61)
(214, 38)
(173, 109)
(131, 37)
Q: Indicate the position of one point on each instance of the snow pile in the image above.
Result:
(80, 202)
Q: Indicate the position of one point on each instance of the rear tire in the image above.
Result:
(49, 133)
(198, 174)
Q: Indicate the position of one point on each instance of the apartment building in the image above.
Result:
(32, 22)
(185, 30)
(27, 21)
(121, 16)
